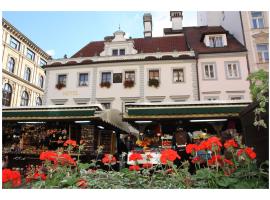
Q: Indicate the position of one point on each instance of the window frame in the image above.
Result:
(58, 79)
(119, 52)
(257, 18)
(18, 45)
(130, 72)
(41, 62)
(30, 53)
(40, 84)
(115, 51)
(214, 44)
(204, 72)
(151, 70)
(227, 63)
(107, 103)
(263, 53)
(8, 64)
(28, 78)
(6, 95)
(106, 72)
(25, 100)
(178, 69)
(79, 79)
(236, 96)
(38, 98)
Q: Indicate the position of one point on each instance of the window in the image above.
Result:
(83, 79)
(263, 52)
(236, 98)
(11, 64)
(178, 75)
(62, 79)
(24, 99)
(106, 105)
(40, 81)
(38, 101)
(115, 52)
(233, 70)
(209, 71)
(211, 98)
(27, 74)
(130, 75)
(30, 54)
(215, 41)
(257, 19)
(122, 52)
(106, 77)
(14, 43)
(7, 93)
(154, 74)
(42, 62)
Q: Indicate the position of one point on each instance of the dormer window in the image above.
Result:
(215, 41)
(118, 52)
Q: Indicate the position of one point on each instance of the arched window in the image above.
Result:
(39, 101)
(24, 99)
(27, 74)
(11, 64)
(7, 93)
(40, 81)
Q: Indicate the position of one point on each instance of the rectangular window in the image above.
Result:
(122, 52)
(62, 80)
(209, 71)
(130, 75)
(30, 54)
(257, 19)
(215, 41)
(178, 75)
(83, 79)
(154, 74)
(106, 105)
(233, 70)
(236, 98)
(42, 62)
(14, 43)
(115, 52)
(105, 77)
(263, 52)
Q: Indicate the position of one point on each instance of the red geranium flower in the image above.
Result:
(230, 143)
(49, 155)
(70, 142)
(213, 142)
(82, 183)
(108, 159)
(229, 162)
(192, 148)
(135, 157)
(134, 168)
(168, 155)
(248, 151)
(147, 165)
(13, 176)
(196, 160)
(215, 160)
(66, 158)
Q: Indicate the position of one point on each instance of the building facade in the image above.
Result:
(23, 76)
(172, 68)
(251, 28)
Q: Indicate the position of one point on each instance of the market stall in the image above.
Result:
(173, 125)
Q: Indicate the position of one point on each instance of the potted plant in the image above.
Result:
(59, 86)
(153, 82)
(105, 84)
(128, 83)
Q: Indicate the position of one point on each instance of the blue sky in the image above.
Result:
(62, 33)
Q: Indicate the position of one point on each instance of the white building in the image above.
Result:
(249, 27)
(118, 70)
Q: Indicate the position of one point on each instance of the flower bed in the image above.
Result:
(237, 169)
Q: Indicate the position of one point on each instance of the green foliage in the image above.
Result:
(259, 88)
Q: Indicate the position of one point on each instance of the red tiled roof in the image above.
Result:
(142, 45)
(195, 34)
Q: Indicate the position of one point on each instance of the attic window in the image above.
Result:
(215, 41)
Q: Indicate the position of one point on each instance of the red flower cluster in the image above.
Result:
(168, 155)
(70, 142)
(218, 159)
(135, 157)
(192, 148)
(230, 143)
(147, 165)
(134, 168)
(248, 151)
(109, 159)
(81, 183)
(53, 156)
(36, 176)
(197, 159)
(13, 176)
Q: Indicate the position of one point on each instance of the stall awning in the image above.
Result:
(49, 113)
(184, 110)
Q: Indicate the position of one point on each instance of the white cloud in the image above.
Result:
(160, 20)
(51, 52)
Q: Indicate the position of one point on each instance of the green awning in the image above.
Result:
(183, 111)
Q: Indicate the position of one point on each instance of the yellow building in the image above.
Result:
(22, 73)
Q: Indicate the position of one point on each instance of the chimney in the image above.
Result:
(176, 18)
(147, 23)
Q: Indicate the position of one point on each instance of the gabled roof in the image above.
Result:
(142, 45)
(194, 37)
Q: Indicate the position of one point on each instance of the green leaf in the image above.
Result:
(226, 181)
